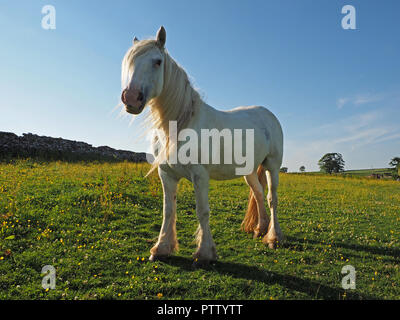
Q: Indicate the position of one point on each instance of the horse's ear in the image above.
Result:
(161, 37)
(135, 40)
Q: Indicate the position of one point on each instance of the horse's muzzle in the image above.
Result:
(133, 100)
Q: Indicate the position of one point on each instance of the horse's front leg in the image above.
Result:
(206, 250)
(167, 241)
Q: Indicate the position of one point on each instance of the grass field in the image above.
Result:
(96, 222)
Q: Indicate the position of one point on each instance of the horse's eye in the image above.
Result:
(157, 62)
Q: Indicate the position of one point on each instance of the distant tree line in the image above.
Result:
(334, 163)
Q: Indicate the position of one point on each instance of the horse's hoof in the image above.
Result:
(205, 259)
(154, 258)
(272, 245)
(202, 261)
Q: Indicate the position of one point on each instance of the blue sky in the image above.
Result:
(333, 90)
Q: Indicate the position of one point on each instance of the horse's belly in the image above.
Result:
(223, 172)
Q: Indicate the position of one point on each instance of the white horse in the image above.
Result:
(150, 77)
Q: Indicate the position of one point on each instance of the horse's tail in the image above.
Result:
(250, 220)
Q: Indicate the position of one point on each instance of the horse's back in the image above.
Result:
(268, 133)
(258, 114)
(262, 118)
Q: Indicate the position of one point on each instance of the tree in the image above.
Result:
(331, 162)
(302, 169)
(284, 170)
(395, 162)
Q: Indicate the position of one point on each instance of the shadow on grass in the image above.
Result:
(297, 242)
(314, 290)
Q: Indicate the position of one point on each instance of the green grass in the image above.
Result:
(95, 223)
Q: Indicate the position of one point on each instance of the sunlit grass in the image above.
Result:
(95, 223)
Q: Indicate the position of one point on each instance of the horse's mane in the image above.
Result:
(178, 100)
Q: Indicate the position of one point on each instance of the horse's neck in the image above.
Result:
(164, 112)
(162, 115)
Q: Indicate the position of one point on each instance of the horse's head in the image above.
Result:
(143, 72)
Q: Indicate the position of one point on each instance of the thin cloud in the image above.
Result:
(345, 135)
(395, 136)
(341, 102)
(361, 129)
(359, 99)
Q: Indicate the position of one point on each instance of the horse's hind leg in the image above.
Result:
(274, 235)
(167, 241)
(256, 219)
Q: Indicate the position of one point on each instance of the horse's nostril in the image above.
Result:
(140, 96)
(123, 96)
